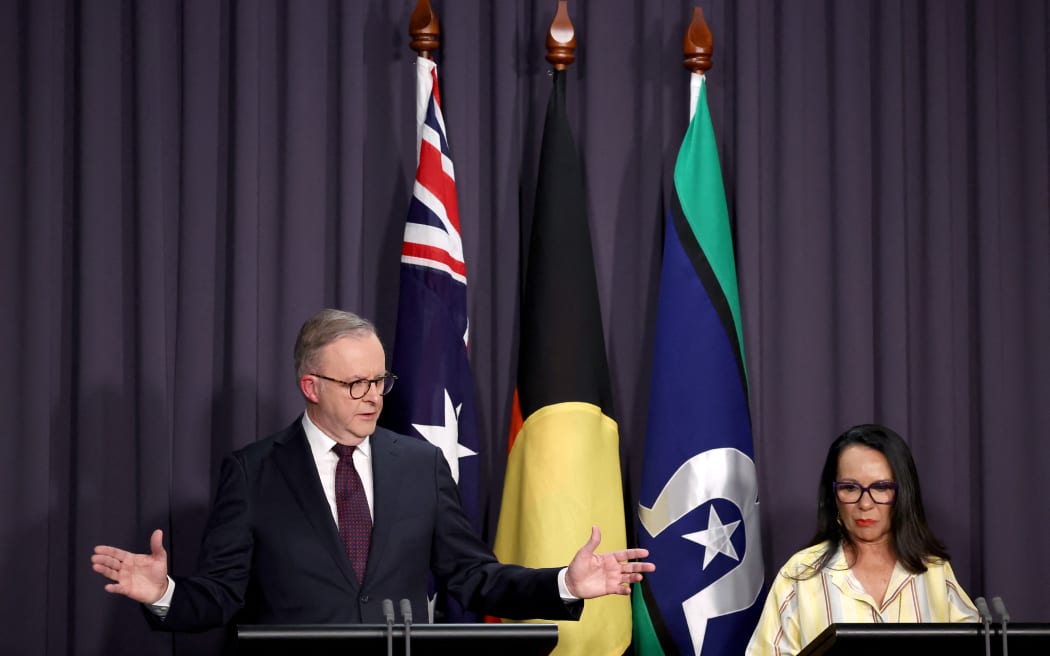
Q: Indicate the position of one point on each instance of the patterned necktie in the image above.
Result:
(355, 522)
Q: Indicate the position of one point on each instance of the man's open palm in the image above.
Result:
(594, 575)
(142, 577)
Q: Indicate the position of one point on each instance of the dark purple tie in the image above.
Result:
(355, 522)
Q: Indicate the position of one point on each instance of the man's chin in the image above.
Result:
(364, 428)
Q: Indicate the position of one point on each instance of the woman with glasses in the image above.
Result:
(873, 558)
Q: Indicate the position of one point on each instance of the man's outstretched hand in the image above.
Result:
(142, 577)
(597, 574)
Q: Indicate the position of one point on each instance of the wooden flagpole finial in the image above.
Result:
(561, 39)
(424, 29)
(698, 46)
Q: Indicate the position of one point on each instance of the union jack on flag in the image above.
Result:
(434, 399)
(432, 236)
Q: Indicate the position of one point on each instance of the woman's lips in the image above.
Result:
(865, 522)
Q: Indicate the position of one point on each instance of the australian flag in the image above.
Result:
(434, 398)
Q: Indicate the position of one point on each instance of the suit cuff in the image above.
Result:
(563, 589)
(161, 606)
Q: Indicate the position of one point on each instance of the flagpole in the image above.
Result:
(561, 38)
(697, 47)
(563, 473)
(697, 50)
(424, 29)
(699, 426)
(436, 401)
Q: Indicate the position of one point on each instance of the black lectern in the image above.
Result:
(370, 639)
(908, 639)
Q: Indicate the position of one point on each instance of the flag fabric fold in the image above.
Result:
(698, 505)
(434, 399)
(563, 468)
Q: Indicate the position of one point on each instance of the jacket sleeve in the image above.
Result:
(212, 597)
(474, 576)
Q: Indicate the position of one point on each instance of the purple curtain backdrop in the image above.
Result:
(183, 182)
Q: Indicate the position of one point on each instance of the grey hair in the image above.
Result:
(322, 329)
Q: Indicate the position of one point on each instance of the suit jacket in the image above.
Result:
(271, 552)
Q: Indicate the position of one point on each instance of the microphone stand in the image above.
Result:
(406, 613)
(1000, 607)
(986, 617)
(388, 615)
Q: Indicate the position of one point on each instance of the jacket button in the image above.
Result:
(363, 599)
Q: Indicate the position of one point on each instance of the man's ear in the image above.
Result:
(308, 386)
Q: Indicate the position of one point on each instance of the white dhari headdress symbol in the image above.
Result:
(715, 474)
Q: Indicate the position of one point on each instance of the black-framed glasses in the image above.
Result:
(884, 492)
(358, 388)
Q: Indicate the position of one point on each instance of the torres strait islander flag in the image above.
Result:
(698, 506)
(563, 470)
(434, 398)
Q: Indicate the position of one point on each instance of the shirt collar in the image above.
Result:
(837, 570)
(321, 445)
(842, 577)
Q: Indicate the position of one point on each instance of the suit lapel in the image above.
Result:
(387, 488)
(296, 463)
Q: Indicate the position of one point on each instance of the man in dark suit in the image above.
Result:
(306, 531)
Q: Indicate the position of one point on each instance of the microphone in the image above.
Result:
(1000, 607)
(986, 617)
(406, 613)
(388, 615)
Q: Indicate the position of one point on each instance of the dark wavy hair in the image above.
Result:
(913, 542)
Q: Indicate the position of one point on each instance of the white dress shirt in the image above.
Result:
(326, 460)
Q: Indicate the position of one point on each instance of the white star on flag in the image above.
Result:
(446, 437)
(715, 538)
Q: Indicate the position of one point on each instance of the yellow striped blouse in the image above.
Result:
(796, 611)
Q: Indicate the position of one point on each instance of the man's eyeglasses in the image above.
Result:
(358, 388)
(884, 492)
